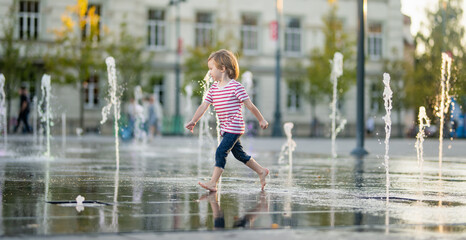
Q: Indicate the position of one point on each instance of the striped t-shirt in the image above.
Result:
(228, 103)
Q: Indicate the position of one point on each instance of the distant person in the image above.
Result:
(370, 126)
(227, 95)
(24, 109)
(152, 118)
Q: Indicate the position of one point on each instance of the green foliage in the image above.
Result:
(397, 70)
(318, 73)
(131, 60)
(195, 65)
(17, 69)
(75, 56)
(10, 57)
(447, 34)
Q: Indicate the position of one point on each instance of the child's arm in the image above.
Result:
(199, 112)
(262, 122)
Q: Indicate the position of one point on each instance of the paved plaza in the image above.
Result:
(154, 193)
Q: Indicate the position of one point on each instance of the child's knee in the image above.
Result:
(220, 158)
(244, 158)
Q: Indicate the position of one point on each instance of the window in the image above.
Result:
(374, 41)
(91, 92)
(294, 96)
(375, 100)
(249, 33)
(92, 27)
(293, 35)
(28, 20)
(204, 29)
(156, 29)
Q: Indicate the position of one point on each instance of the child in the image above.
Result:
(227, 95)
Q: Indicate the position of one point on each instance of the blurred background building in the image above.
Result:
(246, 27)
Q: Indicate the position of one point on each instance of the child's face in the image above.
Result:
(217, 74)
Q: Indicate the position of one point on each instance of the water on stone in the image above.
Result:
(158, 191)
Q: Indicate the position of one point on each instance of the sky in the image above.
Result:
(416, 10)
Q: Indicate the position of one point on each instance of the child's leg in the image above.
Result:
(261, 171)
(239, 154)
(221, 154)
(212, 184)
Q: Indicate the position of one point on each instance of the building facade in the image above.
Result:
(249, 25)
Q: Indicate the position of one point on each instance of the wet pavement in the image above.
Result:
(155, 191)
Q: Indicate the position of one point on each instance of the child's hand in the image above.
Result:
(264, 124)
(190, 125)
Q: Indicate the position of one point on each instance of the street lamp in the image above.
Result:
(359, 150)
(177, 119)
(277, 128)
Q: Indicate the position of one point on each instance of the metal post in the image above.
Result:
(177, 119)
(359, 150)
(277, 125)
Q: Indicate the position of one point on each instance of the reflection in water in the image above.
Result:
(332, 180)
(247, 221)
(288, 211)
(440, 203)
(359, 183)
(46, 197)
(114, 225)
(167, 198)
(2, 187)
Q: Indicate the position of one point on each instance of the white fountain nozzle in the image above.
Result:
(79, 200)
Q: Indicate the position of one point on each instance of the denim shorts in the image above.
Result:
(230, 142)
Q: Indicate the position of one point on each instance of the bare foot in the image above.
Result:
(212, 188)
(262, 177)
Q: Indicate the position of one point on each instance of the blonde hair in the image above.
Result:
(225, 58)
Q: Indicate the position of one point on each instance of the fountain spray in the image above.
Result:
(337, 71)
(189, 93)
(204, 126)
(3, 122)
(139, 133)
(444, 102)
(424, 122)
(34, 116)
(112, 101)
(387, 97)
(289, 146)
(46, 117)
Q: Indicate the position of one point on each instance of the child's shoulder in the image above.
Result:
(236, 83)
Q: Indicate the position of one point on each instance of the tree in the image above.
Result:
(78, 51)
(128, 51)
(195, 65)
(447, 35)
(318, 73)
(17, 69)
(396, 67)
